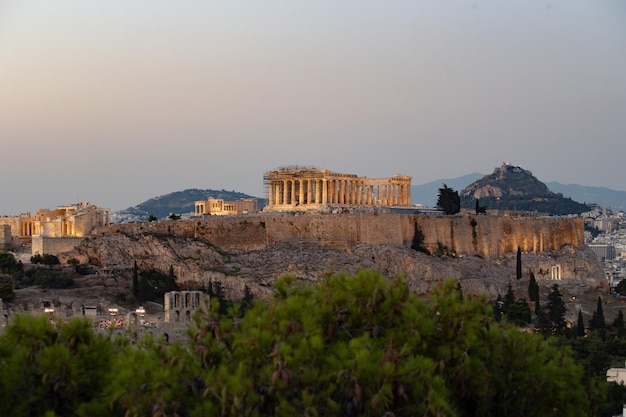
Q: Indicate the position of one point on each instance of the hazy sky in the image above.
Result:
(117, 102)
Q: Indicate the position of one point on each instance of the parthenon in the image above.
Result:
(306, 188)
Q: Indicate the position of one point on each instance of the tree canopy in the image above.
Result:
(348, 346)
(448, 200)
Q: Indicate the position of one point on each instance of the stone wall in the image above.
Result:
(13, 222)
(487, 236)
(5, 237)
(54, 245)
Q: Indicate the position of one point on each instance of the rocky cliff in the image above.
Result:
(486, 236)
(257, 250)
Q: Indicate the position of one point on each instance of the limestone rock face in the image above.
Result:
(195, 263)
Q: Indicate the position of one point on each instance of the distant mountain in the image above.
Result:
(511, 187)
(426, 194)
(179, 202)
(604, 197)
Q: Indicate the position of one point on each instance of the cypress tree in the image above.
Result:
(135, 281)
(599, 315)
(518, 268)
(618, 323)
(537, 306)
(533, 288)
(580, 327)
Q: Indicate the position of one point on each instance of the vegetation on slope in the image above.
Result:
(180, 202)
(352, 345)
(513, 188)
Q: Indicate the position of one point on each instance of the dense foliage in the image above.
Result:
(448, 200)
(348, 346)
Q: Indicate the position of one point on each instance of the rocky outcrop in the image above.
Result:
(487, 236)
(196, 262)
(254, 251)
(513, 188)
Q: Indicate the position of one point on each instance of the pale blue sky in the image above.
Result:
(117, 102)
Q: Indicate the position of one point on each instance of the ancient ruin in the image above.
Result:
(180, 306)
(298, 188)
(219, 207)
(54, 231)
(74, 220)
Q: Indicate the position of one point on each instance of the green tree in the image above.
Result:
(154, 284)
(8, 263)
(598, 322)
(618, 323)
(418, 240)
(533, 288)
(480, 209)
(345, 348)
(45, 259)
(519, 313)
(509, 298)
(248, 298)
(152, 218)
(621, 287)
(518, 265)
(555, 311)
(448, 200)
(47, 369)
(135, 281)
(6, 291)
(580, 326)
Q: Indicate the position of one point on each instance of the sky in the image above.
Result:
(118, 102)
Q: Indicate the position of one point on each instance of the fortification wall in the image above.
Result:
(13, 222)
(54, 245)
(5, 236)
(488, 236)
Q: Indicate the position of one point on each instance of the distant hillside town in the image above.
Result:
(606, 236)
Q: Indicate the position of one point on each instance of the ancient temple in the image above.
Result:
(298, 188)
(74, 220)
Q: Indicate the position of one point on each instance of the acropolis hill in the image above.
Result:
(257, 249)
(318, 222)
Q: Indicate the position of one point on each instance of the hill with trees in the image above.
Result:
(513, 188)
(178, 202)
